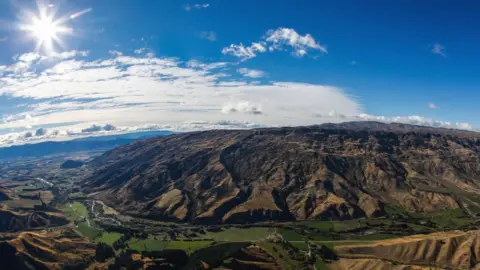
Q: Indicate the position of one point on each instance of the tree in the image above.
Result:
(104, 252)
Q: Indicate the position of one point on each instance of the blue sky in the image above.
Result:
(139, 65)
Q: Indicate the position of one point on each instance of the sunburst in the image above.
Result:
(46, 28)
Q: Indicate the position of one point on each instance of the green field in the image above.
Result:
(147, 244)
(108, 238)
(74, 211)
(190, 247)
(241, 234)
(214, 254)
(88, 231)
(152, 244)
(289, 235)
(77, 195)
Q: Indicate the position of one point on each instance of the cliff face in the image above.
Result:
(329, 171)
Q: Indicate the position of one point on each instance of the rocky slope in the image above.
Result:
(13, 221)
(330, 171)
(451, 250)
(55, 250)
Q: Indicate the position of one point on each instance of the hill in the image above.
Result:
(442, 250)
(13, 221)
(330, 171)
(55, 250)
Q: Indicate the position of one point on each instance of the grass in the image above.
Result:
(289, 235)
(21, 188)
(190, 247)
(281, 255)
(77, 195)
(213, 255)
(22, 203)
(91, 233)
(75, 211)
(320, 264)
(147, 244)
(241, 234)
(108, 238)
(319, 225)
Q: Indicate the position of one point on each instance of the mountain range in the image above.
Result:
(329, 171)
(77, 145)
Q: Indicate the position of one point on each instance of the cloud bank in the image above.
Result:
(69, 95)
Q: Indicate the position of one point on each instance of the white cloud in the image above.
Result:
(28, 57)
(415, 120)
(189, 7)
(115, 53)
(353, 63)
(140, 51)
(282, 37)
(128, 91)
(3, 39)
(208, 35)
(279, 39)
(97, 128)
(439, 49)
(242, 107)
(243, 52)
(432, 106)
(66, 55)
(251, 73)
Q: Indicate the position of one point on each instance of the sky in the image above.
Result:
(80, 68)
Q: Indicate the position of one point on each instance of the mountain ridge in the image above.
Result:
(329, 171)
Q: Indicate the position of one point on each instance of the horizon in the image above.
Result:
(71, 70)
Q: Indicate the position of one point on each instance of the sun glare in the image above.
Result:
(46, 29)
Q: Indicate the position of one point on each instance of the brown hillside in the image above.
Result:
(55, 250)
(452, 250)
(329, 171)
(13, 221)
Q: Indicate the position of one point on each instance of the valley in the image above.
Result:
(326, 221)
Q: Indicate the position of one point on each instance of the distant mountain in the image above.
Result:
(77, 145)
(330, 171)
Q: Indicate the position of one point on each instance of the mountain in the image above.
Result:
(77, 145)
(61, 249)
(330, 171)
(13, 221)
(442, 250)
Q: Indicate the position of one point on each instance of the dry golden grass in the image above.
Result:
(451, 250)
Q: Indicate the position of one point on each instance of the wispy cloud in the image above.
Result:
(243, 52)
(208, 35)
(3, 39)
(189, 7)
(353, 63)
(125, 91)
(439, 49)
(432, 106)
(279, 39)
(251, 73)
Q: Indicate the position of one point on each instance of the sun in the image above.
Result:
(47, 29)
